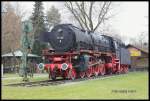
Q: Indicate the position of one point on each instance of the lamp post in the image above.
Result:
(2, 69)
(26, 46)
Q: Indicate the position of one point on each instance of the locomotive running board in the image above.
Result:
(94, 53)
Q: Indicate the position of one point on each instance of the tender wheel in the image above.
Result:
(122, 69)
(125, 69)
(53, 75)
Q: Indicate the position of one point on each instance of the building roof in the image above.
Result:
(18, 53)
(144, 51)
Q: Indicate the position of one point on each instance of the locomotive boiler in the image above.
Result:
(77, 53)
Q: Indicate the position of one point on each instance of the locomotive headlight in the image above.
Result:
(64, 66)
(41, 66)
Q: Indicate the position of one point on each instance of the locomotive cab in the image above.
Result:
(122, 52)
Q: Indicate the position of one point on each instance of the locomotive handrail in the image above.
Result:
(46, 52)
(100, 62)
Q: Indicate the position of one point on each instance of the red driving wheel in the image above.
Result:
(82, 74)
(88, 72)
(96, 71)
(102, 70)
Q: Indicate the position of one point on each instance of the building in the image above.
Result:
(12, 64)
(139, 57)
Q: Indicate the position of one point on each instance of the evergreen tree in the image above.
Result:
(39, 26)
(53, 16)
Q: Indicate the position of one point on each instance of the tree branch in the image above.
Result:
(90, 15)
(80, 7)
(71, 9)
(102, 13)
(84, 17)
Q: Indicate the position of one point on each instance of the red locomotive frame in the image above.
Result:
(61, 64)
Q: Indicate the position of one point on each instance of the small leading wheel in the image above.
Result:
(53, 75)
(72, 74)
(64, 74)
(49, 75)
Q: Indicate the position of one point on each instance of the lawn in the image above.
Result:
(10, 75)
(15, 78)
(133, 85)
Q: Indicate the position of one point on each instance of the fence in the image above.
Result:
(138, 69)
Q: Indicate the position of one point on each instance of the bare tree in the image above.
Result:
(11, 31)
(110, 31)
(140, 41)
(90, 15)
(19, 10)
(11, 28)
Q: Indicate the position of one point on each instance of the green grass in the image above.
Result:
(10, 75)
(92, 89)
(19, 79)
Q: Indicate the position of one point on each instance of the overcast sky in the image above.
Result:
(130, 20)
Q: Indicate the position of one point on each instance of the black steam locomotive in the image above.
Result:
(74, 49)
